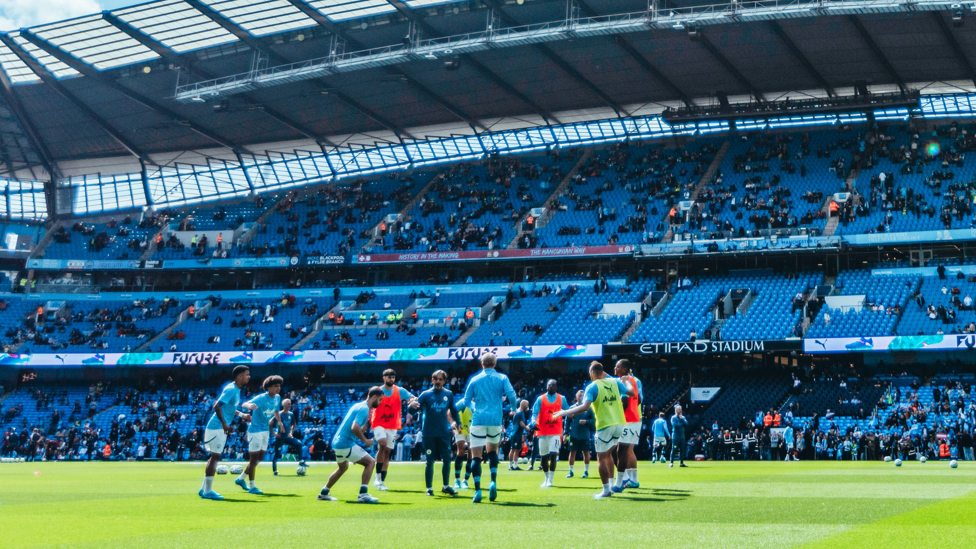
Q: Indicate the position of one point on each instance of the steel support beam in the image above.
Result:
(790, 45)
(878, 54)
(954, 44)
(259, 46)
(430, 32)
(639, 58)
(20, 114)
(730, 68)
(574, 74)
(173, 58)
(112, 84)
(59, 88)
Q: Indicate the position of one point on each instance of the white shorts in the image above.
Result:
(480, 435)
(606, 439)
(461, 437)
(631, 434)
(214, 440)
(352, 455)
(258, 442)
(660, 441)
(549, 444)
(380, 433)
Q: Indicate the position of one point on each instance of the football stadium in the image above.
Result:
(488, 273)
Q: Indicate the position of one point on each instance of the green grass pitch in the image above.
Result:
(727, 504)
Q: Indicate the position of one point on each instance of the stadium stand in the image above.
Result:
(622, 194)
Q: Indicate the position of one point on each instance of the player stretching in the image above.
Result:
(437, 403)
(462, 437)
(581, 430)
(605, 397)
(215, 436)
(549, 429)
(264, 408)
(350, 431)
(386, 422)
(626, 459)
(518, 436)
(286, 436)
(484, 395)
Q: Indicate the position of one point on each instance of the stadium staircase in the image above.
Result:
(655, 311)
(464, 337)
(544, 219)
(249, 234)
(38, 250)
(375, 231)
(832, 222)
(706, 178)
(184, 315)
(317, 328)
(151, 248)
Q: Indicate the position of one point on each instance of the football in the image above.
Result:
(236, 469)
(222, 470)
(301, 471)
(922, 459)
(897, 463)
(887, 459)
(953, 464)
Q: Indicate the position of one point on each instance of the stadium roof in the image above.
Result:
(104, 85)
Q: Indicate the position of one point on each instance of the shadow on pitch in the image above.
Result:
(524, 504)
(233, 500)
(282, 495)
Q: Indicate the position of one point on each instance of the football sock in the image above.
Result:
(620, 478)
(476, 471)
(446, 471)
(429, 471)
(493, 464)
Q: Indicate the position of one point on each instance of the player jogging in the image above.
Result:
(264, 408)
(519, 421)
(215, 435)
(549, 429)
(661, 434)
(484, 394)
(440, 415)
(461, 438)
(287, 436)
(581, 430)
(385, 421)
(352, 430)
(679, 426)
(605, 397)
(626, 459)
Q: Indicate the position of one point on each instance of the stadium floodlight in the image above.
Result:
(198, 99)
(678, 26)
(431, 56)
(957, 14)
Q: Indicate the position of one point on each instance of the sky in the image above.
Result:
(17, 14)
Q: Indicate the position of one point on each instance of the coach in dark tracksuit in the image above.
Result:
(437, 403)
(679, 426)
(288, 426)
